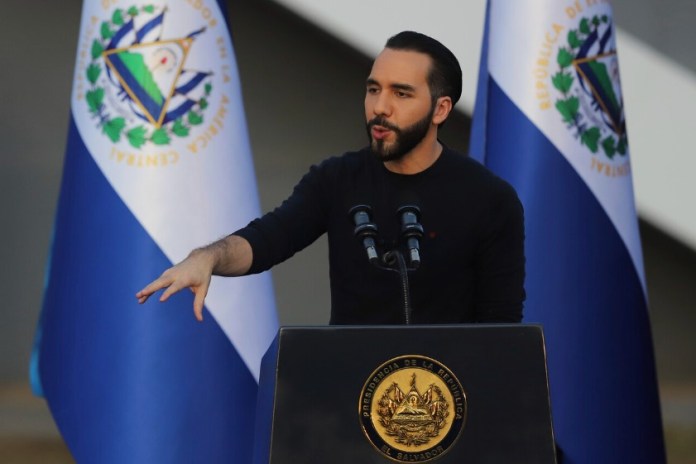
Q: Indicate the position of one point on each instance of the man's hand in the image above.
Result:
(194, 272)
(230, 256)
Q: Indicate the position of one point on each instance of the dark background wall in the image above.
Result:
(303, 94)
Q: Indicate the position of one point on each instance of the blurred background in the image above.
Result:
(302, 73)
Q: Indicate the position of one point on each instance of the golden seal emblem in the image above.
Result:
(412, 408)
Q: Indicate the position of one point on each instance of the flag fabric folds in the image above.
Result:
(157, 163)
(549, 119)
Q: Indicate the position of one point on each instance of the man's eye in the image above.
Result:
(372, 90)
(401, 94)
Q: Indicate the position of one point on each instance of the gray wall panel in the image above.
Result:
(667, 26)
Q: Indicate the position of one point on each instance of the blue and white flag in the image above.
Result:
(549, 119)
(157, 163)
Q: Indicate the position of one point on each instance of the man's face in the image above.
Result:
(398, 104)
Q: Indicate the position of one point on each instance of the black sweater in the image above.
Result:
(472, 252)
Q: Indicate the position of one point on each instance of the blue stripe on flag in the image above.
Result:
(192, 83)
(120, 34)
(583, 287)
(178, 111)
(127, 383)
(194, 34)
(477, 140)
(147, 27)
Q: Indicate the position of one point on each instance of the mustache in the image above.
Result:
(382, 121)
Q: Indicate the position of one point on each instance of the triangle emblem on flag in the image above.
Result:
(148, 73)
(599, 75)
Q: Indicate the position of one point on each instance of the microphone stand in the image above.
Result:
(395, 262)
(392, 260)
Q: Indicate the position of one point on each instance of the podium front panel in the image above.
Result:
(313, 379)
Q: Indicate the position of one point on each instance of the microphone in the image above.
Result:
(365, 230)
(412, 231)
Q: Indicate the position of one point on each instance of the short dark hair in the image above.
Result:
(445, 76)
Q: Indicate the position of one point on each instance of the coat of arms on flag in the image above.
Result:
(588, 83)
(140, 87)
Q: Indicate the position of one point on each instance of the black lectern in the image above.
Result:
(455, 394)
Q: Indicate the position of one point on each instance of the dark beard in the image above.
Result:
(406, 139)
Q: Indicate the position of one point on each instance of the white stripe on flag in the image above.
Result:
(519, 71)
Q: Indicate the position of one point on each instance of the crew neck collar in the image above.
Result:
(430, 169)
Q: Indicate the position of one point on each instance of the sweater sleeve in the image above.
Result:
(501, 262)
(292, 226)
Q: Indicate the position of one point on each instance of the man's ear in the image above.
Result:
(443, 106)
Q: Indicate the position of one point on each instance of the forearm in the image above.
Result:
(289, 228)
(229, 256)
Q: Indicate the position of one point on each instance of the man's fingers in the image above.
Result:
(199, 300)
(172, 289)
(191, 273)
(152, 287)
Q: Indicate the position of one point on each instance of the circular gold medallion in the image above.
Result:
(412, 408)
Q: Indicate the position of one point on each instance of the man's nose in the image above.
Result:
(383, 106)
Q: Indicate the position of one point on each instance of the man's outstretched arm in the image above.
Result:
(230, 256)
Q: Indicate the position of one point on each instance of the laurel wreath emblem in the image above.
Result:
(569, 106)
(410, 432)
(116, 127)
